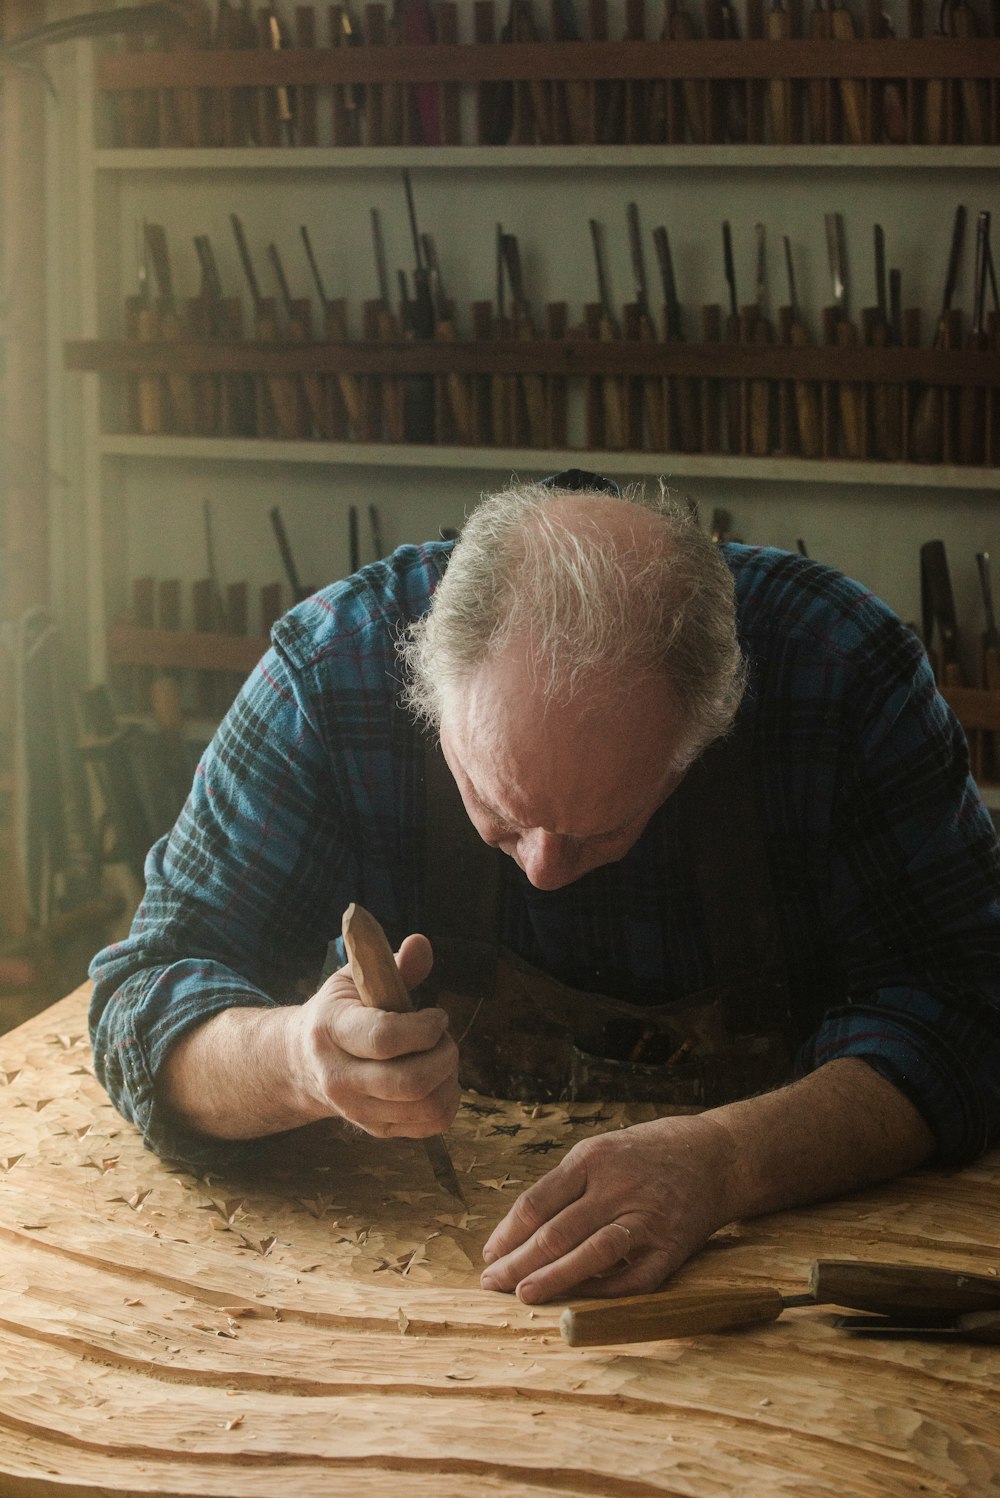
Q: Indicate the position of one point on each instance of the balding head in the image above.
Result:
(592, 595)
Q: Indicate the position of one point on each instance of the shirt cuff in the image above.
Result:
(905, 1038)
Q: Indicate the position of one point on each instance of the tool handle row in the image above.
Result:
(822, 76)
(747, 386)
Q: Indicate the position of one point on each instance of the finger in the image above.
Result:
(556, 1190)
(640, 1277)
(380, 1035)
(407, 1079)
(559, 1256)
(406, 1120)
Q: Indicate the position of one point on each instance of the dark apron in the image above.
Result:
(522, 1034)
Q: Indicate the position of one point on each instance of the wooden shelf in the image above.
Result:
(546, 158)
(545, 460)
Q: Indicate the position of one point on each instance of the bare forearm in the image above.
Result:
(249, 1072)
(838, 1129)
(234, 1077)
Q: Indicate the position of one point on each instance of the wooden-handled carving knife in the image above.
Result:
(912, 1295)
(380, 984)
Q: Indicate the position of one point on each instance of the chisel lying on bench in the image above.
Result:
(915, 1297)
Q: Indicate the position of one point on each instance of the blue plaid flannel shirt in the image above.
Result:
(884, 861)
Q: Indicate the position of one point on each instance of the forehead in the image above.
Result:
(580, 769)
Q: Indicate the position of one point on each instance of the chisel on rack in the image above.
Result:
(990, 674)
(281, 389)
(927, 431)
(144, 326)
(503, 387)
(335, 326)
(380, 985)
(973, 92)
(652, 387)
(807, 409)
(912, 1295)
(287, 560)
(779, 90)
(297, 331)
(225, 322)
(852, 90)
(973, 399)
(818, 89)
(388, 330)
(682, 392)
(886, 404)
(936, 91)
(459, 396)
(734, 389)
(761, 331)
(680, 28)
(850, 395)
(734, 99)
(184, 416)
(418, 320)
(938, 617)
(612, 393)
(523, 328)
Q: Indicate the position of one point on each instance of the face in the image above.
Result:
(561, 790)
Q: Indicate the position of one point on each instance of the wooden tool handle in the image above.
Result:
(852, 90)
(891, 1288)
(668, 1313)
(779, 90)
(373, 966)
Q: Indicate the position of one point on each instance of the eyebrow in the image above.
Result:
(590, 837)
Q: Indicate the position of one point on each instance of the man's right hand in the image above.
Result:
(391, 1075)
(247, 1072)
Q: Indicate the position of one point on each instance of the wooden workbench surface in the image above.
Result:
(320, 1330)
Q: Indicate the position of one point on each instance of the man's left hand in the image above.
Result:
(618, 1215)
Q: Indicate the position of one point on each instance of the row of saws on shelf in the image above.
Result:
(510, 401)
(745, 97)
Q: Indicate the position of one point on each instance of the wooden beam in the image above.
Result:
(23, 466)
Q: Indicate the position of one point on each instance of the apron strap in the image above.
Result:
(461, 898)
(719, 823)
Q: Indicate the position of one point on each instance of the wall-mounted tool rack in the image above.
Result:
(805, 386)
(184, 136)
(796, 76)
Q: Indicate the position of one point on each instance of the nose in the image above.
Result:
(548, 860)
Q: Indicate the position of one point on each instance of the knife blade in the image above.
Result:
(380, 985)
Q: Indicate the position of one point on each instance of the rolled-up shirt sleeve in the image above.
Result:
(914, 899)
(303, 801)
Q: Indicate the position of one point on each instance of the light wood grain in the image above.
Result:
(317, 1328)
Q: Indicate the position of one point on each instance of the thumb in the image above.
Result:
(415, 960)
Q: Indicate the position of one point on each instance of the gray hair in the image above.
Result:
(587, 609)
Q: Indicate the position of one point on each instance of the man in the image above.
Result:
(742, 846)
